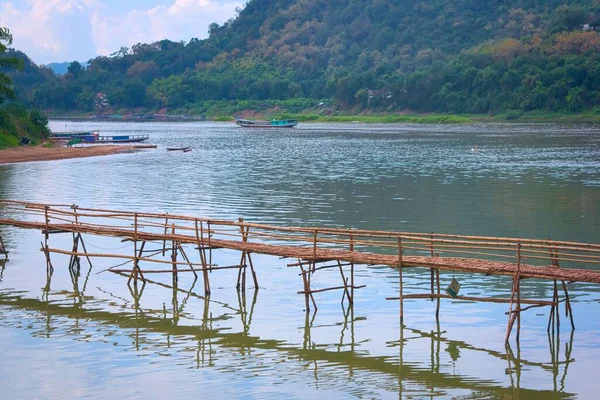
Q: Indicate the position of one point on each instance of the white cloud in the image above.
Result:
(49, 30)
(66, 30)
(182, 20)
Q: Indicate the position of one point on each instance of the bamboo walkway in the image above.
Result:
(314, 249)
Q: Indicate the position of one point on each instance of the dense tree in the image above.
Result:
(6, 62)
(15, 120)
(455, 55)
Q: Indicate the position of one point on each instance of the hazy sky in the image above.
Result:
(67, 30)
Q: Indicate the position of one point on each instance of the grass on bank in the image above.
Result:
(17, 122)
(428, 119)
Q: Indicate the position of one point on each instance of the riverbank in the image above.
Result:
(40, 153)
(509, 117)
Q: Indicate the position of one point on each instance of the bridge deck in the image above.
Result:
(460, 264)
(515, 257)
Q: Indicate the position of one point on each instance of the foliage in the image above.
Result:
(453, 56)
(6, 62)
(15, 119)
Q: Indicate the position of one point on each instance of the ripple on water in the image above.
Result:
(523, 180)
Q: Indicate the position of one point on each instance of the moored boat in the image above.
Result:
(276, 123)
(184, 149)
(121, 139)
(85, 136)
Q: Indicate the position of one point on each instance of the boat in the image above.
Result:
(184, 149)
(120, 139)
(275, 123)
(85, 136)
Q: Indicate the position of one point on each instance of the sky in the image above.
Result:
(78, 30)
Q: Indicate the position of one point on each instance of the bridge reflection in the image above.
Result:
(155, 329)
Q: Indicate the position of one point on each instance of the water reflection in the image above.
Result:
(534, 181)
(211, 345)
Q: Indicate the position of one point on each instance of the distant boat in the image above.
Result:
(276, 123)
(184, 149)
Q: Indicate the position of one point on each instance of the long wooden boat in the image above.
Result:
(85, 136)
(276, 123)
(121, 139)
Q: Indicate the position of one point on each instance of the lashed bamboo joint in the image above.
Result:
(315, 249)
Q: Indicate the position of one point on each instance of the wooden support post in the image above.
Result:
(241, 279)
(164, 249)
(174, 255)
(346, 292)
(49, 267)
(315, 245)
(85, 250)
(136, 271)
(74, 259)
(556, 311)
(306, 287)
(400, 273)
(518, 283)
(437, 307)
(311, 269)
(352, 271)
(512, 316)
(254, 278)
(431, 271)
(568, 308)
(200, 242)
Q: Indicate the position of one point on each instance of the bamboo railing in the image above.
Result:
(491, 255)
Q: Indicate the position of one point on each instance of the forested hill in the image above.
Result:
(460, 56)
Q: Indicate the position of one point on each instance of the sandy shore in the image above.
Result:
(39, 153)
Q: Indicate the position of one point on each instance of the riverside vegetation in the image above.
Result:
(15, 120)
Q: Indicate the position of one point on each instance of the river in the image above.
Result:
(87, 337)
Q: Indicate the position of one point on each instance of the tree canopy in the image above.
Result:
(462, 56)
(15, 120)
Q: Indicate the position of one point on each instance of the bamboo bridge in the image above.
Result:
(313, 249)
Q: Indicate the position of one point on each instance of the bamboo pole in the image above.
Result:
(346, 292)
(518, 283)
(401, 298)
(164, 241)
(327, 289)
(437, 307)
(568, 308)
(351, 272)
(473, 298)
(49, 267)
(306, 289)
(200, 242)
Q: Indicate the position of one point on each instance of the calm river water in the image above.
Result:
(86, 337)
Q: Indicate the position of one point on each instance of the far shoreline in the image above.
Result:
(585, 118)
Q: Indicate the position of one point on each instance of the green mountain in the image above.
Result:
(459, 56)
